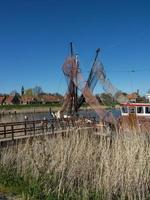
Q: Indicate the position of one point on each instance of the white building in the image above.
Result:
(148, 97)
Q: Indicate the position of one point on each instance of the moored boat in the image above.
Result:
(136, 115)
(138, 109)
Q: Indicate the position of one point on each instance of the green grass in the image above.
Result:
(28, 106)
(52, 105)
(26, 187)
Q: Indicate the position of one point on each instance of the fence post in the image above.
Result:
(12, 131)
(25, 124)
(42, 126)
(25, 128)
(46, 126)
(34, 127)
(4, 131)
(52, 127)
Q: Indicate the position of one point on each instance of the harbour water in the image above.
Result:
(16, 117)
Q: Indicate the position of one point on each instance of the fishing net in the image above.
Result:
(71, 71)
(75, 79)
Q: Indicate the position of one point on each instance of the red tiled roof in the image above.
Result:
(50, 98)
(9, 99)
(132, 96)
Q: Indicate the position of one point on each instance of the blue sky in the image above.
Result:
(34, 38)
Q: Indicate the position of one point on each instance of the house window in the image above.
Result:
(147, 110)
(140, 109)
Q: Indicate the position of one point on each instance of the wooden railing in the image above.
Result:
(23, 128)
(13, 129)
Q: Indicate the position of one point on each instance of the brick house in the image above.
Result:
(28, 100)
(12, 99)
(133, 97)
(2, 99)
(46, 99)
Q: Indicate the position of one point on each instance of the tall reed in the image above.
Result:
(84, 166)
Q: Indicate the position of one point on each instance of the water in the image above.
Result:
(21, 117)
(12, 117)
(116, 112)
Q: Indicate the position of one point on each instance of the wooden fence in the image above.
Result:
(23, 128)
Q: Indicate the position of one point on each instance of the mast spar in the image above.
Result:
(73, 90)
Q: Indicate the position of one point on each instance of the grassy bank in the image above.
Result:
(28, 106)
(79, 167)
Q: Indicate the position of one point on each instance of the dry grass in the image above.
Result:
(85, 167)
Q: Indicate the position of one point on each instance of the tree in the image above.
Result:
(22, 91)
(107, 99)
(148, 91)
(29, 92)
(13, 92)
(37, 90)
(57, 94)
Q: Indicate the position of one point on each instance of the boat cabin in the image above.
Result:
(138, 109)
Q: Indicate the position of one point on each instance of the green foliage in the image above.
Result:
(29, 92)
(35, 189)
(22, 91)
(28, 188)
(37, 90)
(10, 107)
(107, 99)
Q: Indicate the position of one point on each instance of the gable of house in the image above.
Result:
(132, 97)
(12, 100)
(2, 99)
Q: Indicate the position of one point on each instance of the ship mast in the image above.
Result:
(72, 87)
(81, 99)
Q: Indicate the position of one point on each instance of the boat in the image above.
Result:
(136, 115)
(138, 109)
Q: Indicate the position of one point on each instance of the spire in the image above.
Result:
(22, 91)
